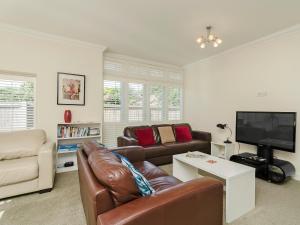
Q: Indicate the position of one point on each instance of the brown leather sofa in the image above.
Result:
(160, 154)
(197, 202)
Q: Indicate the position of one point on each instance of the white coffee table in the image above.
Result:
(239, 180)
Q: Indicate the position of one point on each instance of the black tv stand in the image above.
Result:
(266, 152)
(267, 167)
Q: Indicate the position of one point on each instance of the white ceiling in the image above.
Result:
(159, 30)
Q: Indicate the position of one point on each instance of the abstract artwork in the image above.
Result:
(70, 89)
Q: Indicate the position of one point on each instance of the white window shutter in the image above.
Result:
(147, 94)
(17, 103)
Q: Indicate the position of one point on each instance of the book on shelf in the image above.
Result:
(72, 131)
(68, 147)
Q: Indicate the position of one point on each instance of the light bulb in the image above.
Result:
(219, 41)
(211, 37)
(203, 45)
(200, 39)
(215, 44)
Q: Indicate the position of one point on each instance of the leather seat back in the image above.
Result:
(116, 177)
(23, 143)
(130, 131)
(96, 199)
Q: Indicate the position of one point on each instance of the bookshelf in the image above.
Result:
(69, 139)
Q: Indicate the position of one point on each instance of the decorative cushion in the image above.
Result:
(183, 133)
(141, 182)
(19, 144)
(116, 177)
(166, 134)
(145, 136)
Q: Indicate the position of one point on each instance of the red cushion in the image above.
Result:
(145, 136)
(183, 133)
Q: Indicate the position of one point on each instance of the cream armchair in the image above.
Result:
(27, 162)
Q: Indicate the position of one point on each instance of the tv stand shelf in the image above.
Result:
(277, 172)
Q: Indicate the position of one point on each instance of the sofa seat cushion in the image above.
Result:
(18, 170)
(156, 151)
(162, 183)
(149, 170)
(177, 147)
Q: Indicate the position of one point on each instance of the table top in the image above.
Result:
(221, 168)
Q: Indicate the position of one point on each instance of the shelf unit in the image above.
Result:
(66, 156)
(222, 150)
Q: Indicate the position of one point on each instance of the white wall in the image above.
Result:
(44, 56)
(217, 87)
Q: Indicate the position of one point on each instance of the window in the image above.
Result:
(135, 102)
(156, 97)
(137, 92)
(174, 103)
(16, 103)
(112, 101)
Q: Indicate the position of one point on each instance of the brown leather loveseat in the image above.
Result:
(109, 198)
(160, 154)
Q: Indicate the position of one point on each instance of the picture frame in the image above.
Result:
(70, 89)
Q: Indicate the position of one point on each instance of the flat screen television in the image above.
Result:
(277, 130)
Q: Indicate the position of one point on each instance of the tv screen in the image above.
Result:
(274, 129)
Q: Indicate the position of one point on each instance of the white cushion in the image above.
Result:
(18, 170)
(18, 144)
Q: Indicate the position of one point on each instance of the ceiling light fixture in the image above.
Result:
(209, 39)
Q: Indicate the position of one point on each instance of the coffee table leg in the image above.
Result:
(240, 195)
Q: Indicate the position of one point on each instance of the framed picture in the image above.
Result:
(70, 89)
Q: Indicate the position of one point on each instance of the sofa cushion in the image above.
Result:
(156, 151)
(198, 145)
(149, 170)
(18, 170)
(19, 144)
(183, 133)
(141, 182)
(130, 130)
(91, 146)
(145, 136)
(166, 134)
(156, 132)
(178, 147)
(116, 177)
(162, 183)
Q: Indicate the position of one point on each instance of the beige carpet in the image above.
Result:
(275, 205)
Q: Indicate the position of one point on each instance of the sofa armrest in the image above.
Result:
(133, 153)
(200, 202)
(126, 141)
(47, 165)
(201, 135)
